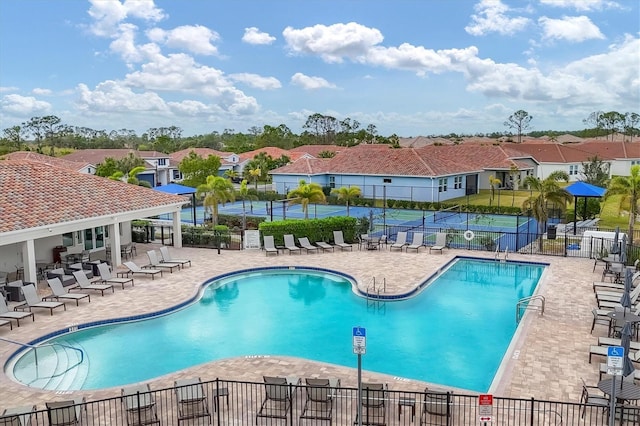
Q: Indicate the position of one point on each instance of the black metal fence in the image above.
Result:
(224, 402)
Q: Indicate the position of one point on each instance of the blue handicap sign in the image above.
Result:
(359, 332)
(615, 351)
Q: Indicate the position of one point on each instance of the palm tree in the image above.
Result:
(307, 193)
(243, 194)
(629, 188)
(215, 191)
(545, 191)
(347, 193)
(231, 174)
(255, 174)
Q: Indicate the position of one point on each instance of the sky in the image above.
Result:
(408, 67)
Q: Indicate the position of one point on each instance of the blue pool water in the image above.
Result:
(455, 332)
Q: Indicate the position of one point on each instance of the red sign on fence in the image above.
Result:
(485, 408)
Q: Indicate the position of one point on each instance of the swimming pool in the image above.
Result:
(454, 332)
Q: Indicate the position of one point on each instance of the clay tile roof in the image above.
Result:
(315, 150)
(304, 166)
(47, 159)
(178, 156)
(580, 152)
(97, 156)
(34, 194)
(272, 151)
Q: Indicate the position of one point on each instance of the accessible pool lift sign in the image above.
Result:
(615, 358)
(359, 340)
(485, 408)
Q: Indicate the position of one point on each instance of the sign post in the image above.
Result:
(485, 409)
(359, 348)
(615, 360)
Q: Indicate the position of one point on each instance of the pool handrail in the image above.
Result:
(36, 347)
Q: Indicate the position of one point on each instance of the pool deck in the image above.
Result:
(546, 359)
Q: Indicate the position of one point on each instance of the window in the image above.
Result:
(442, 185)
(332, 181)
(162, 161)
(177, 175)
(386, 180)
(635, 162)
(457, 182)
(573, 169)
(67, 239)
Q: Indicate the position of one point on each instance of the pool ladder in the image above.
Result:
(497, 256)
(533, 303)
(373, 293)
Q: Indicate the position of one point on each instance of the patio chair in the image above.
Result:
(305, 244)
(591, 395)
(139, 405)
(374, 407)
(441, 242)
(66, 279)
(290, 244)
(269, 245)
(107, 276)
(319, 403)
(59, 292)
(325, 246)
(85, 284)
(154, 263)
(418, 241)
(338, 239)
(63, 413)
(135, 269)
(600, 317)
(33, 301)
(277, 400)
(434, 404)
(5, 313)
(6, 322)
(167, 258)
(18, 416)
(192, 401)
(400, 242)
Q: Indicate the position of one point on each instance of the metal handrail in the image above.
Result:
(35, 349)
(526, 303)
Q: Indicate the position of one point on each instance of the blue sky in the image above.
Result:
(409, 67)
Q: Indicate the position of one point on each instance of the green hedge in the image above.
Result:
(314, 229)
(205, 236)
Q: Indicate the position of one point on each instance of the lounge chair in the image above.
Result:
(33, 301)
(441, 242)
(18, 416)
(277, 400)
(418, 241)
(269, 245)
(374, 407)
(290, 244)
(107, 276)
(63, 413)
(6, 322)
(325, 246)
(154, 262)
(139, 405)
(85, 284)
(434, 404)
(58, 292)
(166, 257)
(319, 403)
(5, 313)
(338, 239)
(192, 401)
(400, 242)
(135, 269)
(305, 244)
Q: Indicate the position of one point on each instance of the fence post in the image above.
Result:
(217, 400)
(533, 401)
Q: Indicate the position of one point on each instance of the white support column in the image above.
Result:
(114, 232)
(29, 262)
(177, 230)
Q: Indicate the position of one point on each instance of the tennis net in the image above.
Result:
(444, 214)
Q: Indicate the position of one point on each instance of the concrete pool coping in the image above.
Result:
(552, 349)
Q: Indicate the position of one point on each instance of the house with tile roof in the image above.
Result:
(157, 164)
(44, 206)
(78, 166)
(430, 173)
(228, 161)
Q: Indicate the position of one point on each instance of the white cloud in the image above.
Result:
(492, 17)
(420, 60)
(582, 5)
(571, 28)
(113, 96)
(42, 92)
(107, 14)
(4, 89)
(253, 35)
(257, 81)
(311, 83)
(194, 38)
(333, 43)
(23, 105)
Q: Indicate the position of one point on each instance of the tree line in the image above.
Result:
(49, 133)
